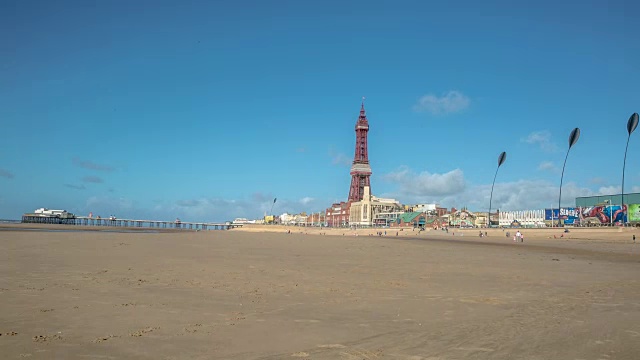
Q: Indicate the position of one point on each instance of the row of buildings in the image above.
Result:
(362, 209)
(380, 212)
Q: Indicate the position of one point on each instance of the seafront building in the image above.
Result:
(522, 218)
(363, 213)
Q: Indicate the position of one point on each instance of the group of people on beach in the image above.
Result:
(518, 237)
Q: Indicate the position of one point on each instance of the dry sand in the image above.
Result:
(271, 295)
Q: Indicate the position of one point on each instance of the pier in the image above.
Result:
(131, 223)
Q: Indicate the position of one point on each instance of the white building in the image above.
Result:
(362, 213)
(526, 218)
(425, 208)
(243, 221)
(291, 219)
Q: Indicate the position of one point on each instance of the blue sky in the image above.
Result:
(207, 110)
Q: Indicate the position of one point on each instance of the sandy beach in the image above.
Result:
(259, 293)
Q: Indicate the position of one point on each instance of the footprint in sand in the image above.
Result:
(358, 354)
(192, 328)
(104, 338)
(633, 333)
(475, 349)
(144, 331)
(47, 338)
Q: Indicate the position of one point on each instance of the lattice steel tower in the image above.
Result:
(360, 169)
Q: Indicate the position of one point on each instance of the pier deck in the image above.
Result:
(151, 224)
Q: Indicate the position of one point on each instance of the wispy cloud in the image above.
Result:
(72, 186)
(541, 139)
(450, 102)
(6, 174)
(210, 209)
(338, 158)
(111, 205)
(92, 179)
(85, 164)
(547, 166)
(189, 203)
(205, 209)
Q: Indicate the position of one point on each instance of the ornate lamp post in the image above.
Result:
(573, 139)
(632, 124)
(501, 159)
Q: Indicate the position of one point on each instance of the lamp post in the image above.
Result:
(271, 211)
(501, 158)
(631, 125)
(573, 139)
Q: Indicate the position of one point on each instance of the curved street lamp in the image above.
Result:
(632, 124)
(573, 139)
(271, 211)
(501, 159)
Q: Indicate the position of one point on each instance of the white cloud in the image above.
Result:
(306, 200)
(526, 194)
(427, 184)
(450, 190)
(610, 190)
(450, 102)
(617, 189)
(547, 165)
(542, 139)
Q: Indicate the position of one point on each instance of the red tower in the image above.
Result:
(360, 168)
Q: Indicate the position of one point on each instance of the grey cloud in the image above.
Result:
(5, 173)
